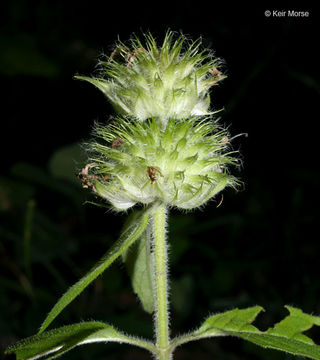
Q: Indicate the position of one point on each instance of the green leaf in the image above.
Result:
(138, 260)
(130, 233)
(285, 335)
(58, 341)
(64, 162)
(37, 176)
(53, 343)
(35, 62)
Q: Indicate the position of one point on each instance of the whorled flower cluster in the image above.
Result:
(148, 82)
(163, 146)
(182, 166)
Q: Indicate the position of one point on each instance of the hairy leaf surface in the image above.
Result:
(285, 335)
(132, 230)
(138, 260)
(53, 343)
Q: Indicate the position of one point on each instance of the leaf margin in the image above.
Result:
(121, 245)
(271, 338)
(139, 264)
(68, 337)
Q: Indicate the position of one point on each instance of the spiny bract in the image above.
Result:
(183, 165)
(168, 82)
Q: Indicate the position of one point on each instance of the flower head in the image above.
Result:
(183, 165)
(146, 81)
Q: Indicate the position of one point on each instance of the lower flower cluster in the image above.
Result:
(182, 165)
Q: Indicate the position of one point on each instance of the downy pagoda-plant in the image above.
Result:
(163, 149)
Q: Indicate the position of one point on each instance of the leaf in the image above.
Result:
(37, 176)
(130, 233)
(55, 342)
(285, 335)
(58, 341)
(13, 48)
(64, 162)
(138, 260)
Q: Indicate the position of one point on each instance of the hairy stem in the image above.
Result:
(160, 278)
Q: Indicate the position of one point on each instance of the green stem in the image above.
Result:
(161, 300)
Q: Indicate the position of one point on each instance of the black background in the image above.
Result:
(260, 246)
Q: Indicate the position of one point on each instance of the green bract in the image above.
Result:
(183, 165)
(170, 82)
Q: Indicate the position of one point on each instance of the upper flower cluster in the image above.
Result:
(146, 81)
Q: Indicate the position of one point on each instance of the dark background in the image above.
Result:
(261, 246)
